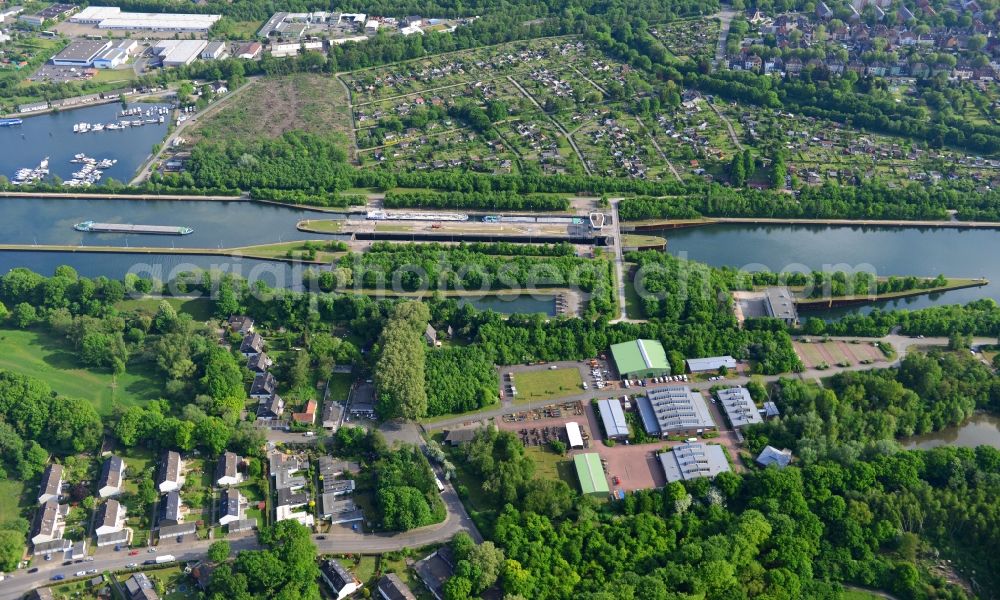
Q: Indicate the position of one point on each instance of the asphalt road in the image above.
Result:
(23, 582)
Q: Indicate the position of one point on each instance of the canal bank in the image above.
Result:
(670, 224)
(883, 251)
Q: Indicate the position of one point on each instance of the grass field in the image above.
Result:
(549, 465)
(200, 309)
(272, 106)
(39, 354)
(547, 384)
(340, 387)
(10, 499)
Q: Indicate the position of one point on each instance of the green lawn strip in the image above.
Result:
(548, 384)
(45, 356)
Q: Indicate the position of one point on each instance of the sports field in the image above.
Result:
(42, 355)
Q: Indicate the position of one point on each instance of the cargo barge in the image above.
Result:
(93, 227)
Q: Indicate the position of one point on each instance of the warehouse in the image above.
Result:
(711, 364)
(110, 17)
(215, 51)
(80, 53)
(573, 435)
(593, 481)
(175, 53)
(615, 426)
(691, 461)
(739, 407)
(640, 359)
(117, 55)
(674, 410)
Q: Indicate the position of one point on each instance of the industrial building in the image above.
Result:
(711, 364)
(215, 51)
(640, 359)
(615, 426)
(772, 456)
(691, 461)
(111, 17)
(781, 305)
(176, 53)
(739, 407)
(116, 55)
(53, 12)
(593, 481)
(674, 410)
(80, 53)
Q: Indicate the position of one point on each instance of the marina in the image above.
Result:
(92, 227)
(151, 116)
(51, 135)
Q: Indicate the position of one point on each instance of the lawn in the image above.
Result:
(10, 499)
(200, 309)
(42, 355)
(340, 387)
(549, 465)
(322, 225)
(547, 384)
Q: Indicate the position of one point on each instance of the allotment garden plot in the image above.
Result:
(689, 38)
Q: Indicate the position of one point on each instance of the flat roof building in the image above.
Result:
(176, 53)
(739, 407)
(111, 17)
(640, 359)
(710, 364)
(781, 305)
(80, 53)
(615, 426)
(674, 410)
(593, 481)
(691, 461)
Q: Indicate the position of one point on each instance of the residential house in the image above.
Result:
(259, 363)
(272, 409)
(263, 387)
(109, 525)
(307, 416)
(431, 336)
(342, 582)
(49, 524)
(227, 470)
(139, 587)
(171, 472)
(391, 587)
(51, 486)
(171, 509)
(333, 412)
(240, 324)
(112, 477)
(232, 507)
(252, 344)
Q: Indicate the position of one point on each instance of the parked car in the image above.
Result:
(133, 553)
(131, 565)
(58, 577)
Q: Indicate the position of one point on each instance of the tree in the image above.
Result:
(11, 549)
(24, 315)
(74, 425)
(212, 434)
(219, 551)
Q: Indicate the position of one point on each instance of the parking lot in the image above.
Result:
(60, 74)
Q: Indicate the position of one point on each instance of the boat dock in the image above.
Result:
(92, 227)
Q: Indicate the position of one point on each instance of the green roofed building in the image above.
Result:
(593, 481)
(640, 359)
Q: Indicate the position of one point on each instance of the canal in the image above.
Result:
(215, 224)
(981, 430)
(51, 135)
(889, 251)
